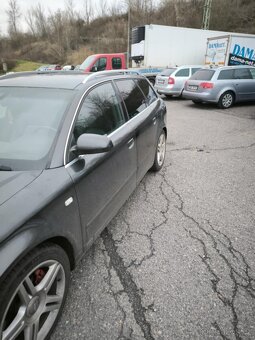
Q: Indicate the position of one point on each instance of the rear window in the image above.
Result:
(203, 75)
(167, 72)
(182, 73)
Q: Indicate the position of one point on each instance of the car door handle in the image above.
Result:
(131, 143)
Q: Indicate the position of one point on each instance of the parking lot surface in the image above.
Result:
(178, 261)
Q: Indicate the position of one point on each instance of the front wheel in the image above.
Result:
(226, 100)
(33, 294)
(160, 152)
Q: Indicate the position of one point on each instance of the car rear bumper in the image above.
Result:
(202, 96)
(167, 91)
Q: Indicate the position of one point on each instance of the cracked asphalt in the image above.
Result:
(178, 261)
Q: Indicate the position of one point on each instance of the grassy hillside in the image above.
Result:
(24, 65)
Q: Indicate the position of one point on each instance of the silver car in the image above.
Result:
(170, 81)
(225, 85)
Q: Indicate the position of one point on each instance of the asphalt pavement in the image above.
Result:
(178, 261)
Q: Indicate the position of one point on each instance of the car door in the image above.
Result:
(244, 84)
(103, 181)
(143, 114)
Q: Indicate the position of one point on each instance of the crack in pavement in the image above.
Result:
(234, 273)
(130, 287)
(203, 148)
(115, 295)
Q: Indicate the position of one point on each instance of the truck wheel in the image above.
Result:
(226, 100)
(33, 294)
(160, 152)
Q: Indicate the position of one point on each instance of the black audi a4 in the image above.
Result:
(72, 149)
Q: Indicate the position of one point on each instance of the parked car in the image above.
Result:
(73, 147)
(42, 68)
(68, 68)
(170, 81)
(223, 86)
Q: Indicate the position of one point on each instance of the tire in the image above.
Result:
(33, 294)
(160, 152)
(226, 100)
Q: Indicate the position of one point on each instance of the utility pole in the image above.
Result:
(206, 14)
(128, 37)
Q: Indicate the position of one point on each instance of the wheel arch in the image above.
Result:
(226, 90)
(18, 246)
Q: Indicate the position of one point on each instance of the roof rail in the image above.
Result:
(109, 73)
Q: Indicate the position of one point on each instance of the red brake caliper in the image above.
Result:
(39, 275)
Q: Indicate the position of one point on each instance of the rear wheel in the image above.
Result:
(226, 100)
(33, 294)
(160, 152)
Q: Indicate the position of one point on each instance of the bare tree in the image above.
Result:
(14, 14)
(88, 11)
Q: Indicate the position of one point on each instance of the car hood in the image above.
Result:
(12, 182)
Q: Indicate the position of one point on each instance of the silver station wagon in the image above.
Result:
(73, 147)
(223, 86)
(170, 81)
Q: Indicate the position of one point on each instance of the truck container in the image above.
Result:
(166, 46)
(231, 49)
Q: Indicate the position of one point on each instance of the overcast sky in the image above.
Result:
(51, 5)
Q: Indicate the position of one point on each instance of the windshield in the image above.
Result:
(29, 121)
(87, 62)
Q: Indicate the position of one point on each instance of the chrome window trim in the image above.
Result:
(110, 135)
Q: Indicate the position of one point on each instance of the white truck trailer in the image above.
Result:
(232, 49)
(166, 46)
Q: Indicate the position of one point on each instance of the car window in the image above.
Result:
(101, 64)
(252, 70)
(226, 74)
(132, 96)
(29, 123)
(147, 90)
(203, 74)
(167, 72)
(242, 73)
(182, 73)
(193, 70)
(116, 63)
(100, 112)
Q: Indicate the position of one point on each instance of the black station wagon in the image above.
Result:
(72, 149)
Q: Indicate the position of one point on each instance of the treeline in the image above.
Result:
(69, 35)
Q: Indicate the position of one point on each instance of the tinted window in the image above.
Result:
(226, 74)
(182, 73)
(203, 75)
(167, 71)
(147, 90)
(242, 73)
(100, 112)
(193, 70)
(252, 70)
(101, 64)
(116, 63)
(132, 95)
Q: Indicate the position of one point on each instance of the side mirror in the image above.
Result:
(89, 143)
(93, 69)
